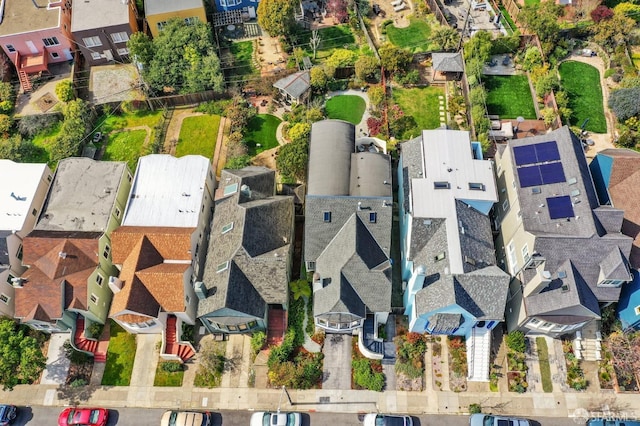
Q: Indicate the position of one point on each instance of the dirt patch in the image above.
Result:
(404, 383)
(266, 158)
(80, 372)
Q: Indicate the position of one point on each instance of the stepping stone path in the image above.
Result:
(443, 116)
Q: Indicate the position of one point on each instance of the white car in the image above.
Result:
(486, 420)
(185, 418)
(374, 419)
(267, 418)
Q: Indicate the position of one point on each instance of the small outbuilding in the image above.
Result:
(447, 65)
(295, 87)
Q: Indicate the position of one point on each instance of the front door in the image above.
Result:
(32, 47)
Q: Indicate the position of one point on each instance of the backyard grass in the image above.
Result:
(545, 368)
(133, 119)
(126, 146)
(346, 107)
(120, 356)
(336, 37)
(422, 104)
(261, 129)
(415, 37)
(531, 2)
(509, 96)
(242, 52)
(42, 143)
(167, 378)
(582, 83)
(198, 136)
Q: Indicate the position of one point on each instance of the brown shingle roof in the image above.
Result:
(150, 285)
(55, 281)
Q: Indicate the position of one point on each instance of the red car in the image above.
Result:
(83, 416)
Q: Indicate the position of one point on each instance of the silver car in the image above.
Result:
(266, 418)
(488, 420)
(374, 419)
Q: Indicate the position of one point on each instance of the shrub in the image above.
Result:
(475, 409)
(77, 383)
(516, 341)
(31, 125)
(64, 91)
(608, 73)
(365, 377)
(95, 329)
(258, 341)
(214, 107)
(171, 366)
(74, 355)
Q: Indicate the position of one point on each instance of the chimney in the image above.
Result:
(537, 283)
(115, 284)
(317, 282)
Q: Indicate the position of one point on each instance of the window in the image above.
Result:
(513, 183)
(242, 327)
(10, 279)
(99, 279)
(118, 212)
(525, 253)
(610, 283)
(4, 299)
(326, 216)
(106, 251)
(120, 37)
(19, 252)
(253, 324)
(223, 266)
(513, 260)
(637, 310)
(476, 186)
(440, 257)
(161, 25)
(55, 55)
(230, 189)
(92, 41)
(311, 266)
(10, 48)
(49, 178)
(228, 227)
(95, 56)
(534, 321)
(123, 51)
(50, 41)
(441, 185)
(373, 217)
(505, 205)
(536, 190)
(94, 299)
(190, 20)
(232, 328)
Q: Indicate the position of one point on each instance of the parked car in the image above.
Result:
(375, 419)
(487, 420)
(267, 418)
(83, 416)
(186, 418)
(8, 414)
(612, 422)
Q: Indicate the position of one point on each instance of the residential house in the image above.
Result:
(448, 260)
(35, 34)
(160, 247)
(23, 188)
(565, 250)
(248, 6)
(294, 88)
(69, 251)
(101, 29)
(158, 12)
(616, 174)
(348, 234)
(248, 268)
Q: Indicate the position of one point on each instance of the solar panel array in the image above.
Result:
(538, 164)
(560, 207)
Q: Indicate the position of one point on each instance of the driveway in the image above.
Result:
(336, 373)
(55, 373)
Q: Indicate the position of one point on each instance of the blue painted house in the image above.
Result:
(448, 260)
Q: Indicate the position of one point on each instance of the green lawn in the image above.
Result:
(167, 378)
(127, 146)
(415, 37)
(346, 107)
(198, 136)
(134, 119)
(42, 142)
(422, 104)
(545, 368)
(338, 36)
(509, 96)
(242, 52)
(120, 356)
(531, 2)
(261, 130)
(582, 83)
(506, 16)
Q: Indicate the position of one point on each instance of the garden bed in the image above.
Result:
(457, 363)
(410, 352)
(437, 362)
(212, 360)
(575, 376)
(366, 374)
(516, 366)
(169, 373)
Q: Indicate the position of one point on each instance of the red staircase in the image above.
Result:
(184, 351)
(97, 347)
(276, 326)
(24, 81)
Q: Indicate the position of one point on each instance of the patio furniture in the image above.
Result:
(400, 7)
(395, 3)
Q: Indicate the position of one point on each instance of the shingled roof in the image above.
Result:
(294, 85)
(447, 62)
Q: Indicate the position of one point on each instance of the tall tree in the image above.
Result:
(180, 59)
(446, 38)
(394, 58)
(366, 67)
(542, 19)
(22, 359)
(277, 16)
(614, 31)
(314, 42)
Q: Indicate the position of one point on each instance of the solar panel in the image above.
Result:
(552, 173)
(560, 207)
(525, 155)
(529, 176)
(547, 151)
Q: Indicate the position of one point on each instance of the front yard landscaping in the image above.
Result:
(127, 146)
(346, 107)
(457, 363)
(582, 83)
(575, 375)
(212, 359)
(120, 357)
(410, 351)
(366, 373)
(169, 373)
(509, 96)
(415, 37)
(545, 367)
(198, 136)
(422, 104)
(517, 368)
(261, 133)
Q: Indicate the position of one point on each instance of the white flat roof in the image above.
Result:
(167, 191)
(21, 180)
(448, 159)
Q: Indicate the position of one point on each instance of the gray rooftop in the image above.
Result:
(253, 231)
(447, 62)
(294, 85)
(155, 7)
(82, 195)
(21, 16)
(330, 148)
(91, 14)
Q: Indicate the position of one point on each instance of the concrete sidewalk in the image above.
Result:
(55, 373)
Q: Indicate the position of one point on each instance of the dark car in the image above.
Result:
(8, 414)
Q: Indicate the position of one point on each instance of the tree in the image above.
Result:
(366, 67)
(299, 132)
(629, 10)
(276, 16)
(239, 112)
(613, 32)
(77, 119)
(376, 96)
(6, 97)
(341, 58)
(546, 83)
(477, 95)
(6, 123)
(314, 114)
(338, 9)
(237, 163)
(624, 102)
(542, 19)
(601, 13)
(22, 360)
(314, 42)
(393, 58)
(446, 38)
(625, 351)
(300, 288)
(532, 58)
(19, 150)
(180, 59)
(292, 161)
(64, 91)
(318, 78)
(479, 46)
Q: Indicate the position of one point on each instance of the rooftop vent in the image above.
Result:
(62, 255)
(562, 274)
